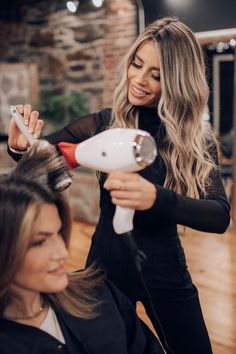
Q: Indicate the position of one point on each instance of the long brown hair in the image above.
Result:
(184, 95)
(21, 198)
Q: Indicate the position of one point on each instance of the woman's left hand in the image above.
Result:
(130, 190)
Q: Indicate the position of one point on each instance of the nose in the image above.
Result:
(141, 78)
(60, 251)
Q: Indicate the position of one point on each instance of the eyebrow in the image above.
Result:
(44, 233)
(47, 233)
(152, 67)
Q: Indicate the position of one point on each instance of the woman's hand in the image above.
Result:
(16, 139)
(130, 190)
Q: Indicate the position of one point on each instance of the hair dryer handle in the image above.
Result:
(123, 220)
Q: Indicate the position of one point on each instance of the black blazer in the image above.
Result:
(116, 330)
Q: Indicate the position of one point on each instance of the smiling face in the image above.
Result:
(144, 88)
(43, 266)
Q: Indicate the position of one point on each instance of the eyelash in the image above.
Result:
(156, 78)
(41, 242)
(38, 243)
(136, 65)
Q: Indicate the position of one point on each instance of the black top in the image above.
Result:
(177, 209)
(155, 230)
(115, 330)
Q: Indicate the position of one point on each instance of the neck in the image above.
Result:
(24, 306)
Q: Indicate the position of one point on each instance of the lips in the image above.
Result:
(137, 92)
(58, 271)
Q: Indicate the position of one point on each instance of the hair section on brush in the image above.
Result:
(43, 163)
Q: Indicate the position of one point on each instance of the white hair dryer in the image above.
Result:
(121, 149)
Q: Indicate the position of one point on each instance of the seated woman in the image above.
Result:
(42, 308)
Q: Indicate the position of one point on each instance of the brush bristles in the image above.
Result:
(43, 163)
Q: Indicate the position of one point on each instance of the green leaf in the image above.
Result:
(61, 108)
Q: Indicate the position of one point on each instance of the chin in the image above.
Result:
(138, 101)
(58, 285)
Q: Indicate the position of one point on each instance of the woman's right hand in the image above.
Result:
(16, 139)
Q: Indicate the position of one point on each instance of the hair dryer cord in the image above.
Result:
(139, 257)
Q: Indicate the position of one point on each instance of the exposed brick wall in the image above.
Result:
(78, 52)
(121, 31)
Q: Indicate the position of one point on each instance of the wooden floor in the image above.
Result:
(212, 263)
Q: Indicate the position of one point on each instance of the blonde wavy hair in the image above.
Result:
(184, 94)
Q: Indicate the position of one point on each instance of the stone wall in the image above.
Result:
(78, 52)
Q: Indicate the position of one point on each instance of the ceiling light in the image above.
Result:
(97, 3)
(72, 5)
(232, 42)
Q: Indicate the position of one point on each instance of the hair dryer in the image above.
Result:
(121, 149)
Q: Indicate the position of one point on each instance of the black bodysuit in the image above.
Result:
(155, 231)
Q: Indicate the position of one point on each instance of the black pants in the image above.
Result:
(183, 325)
(177, 308)
(181, 320)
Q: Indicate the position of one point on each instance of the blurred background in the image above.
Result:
(62, 58)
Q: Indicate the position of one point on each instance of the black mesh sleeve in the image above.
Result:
(82, 128)
(209, 214)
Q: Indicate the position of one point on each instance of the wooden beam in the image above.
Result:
(222, 35)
